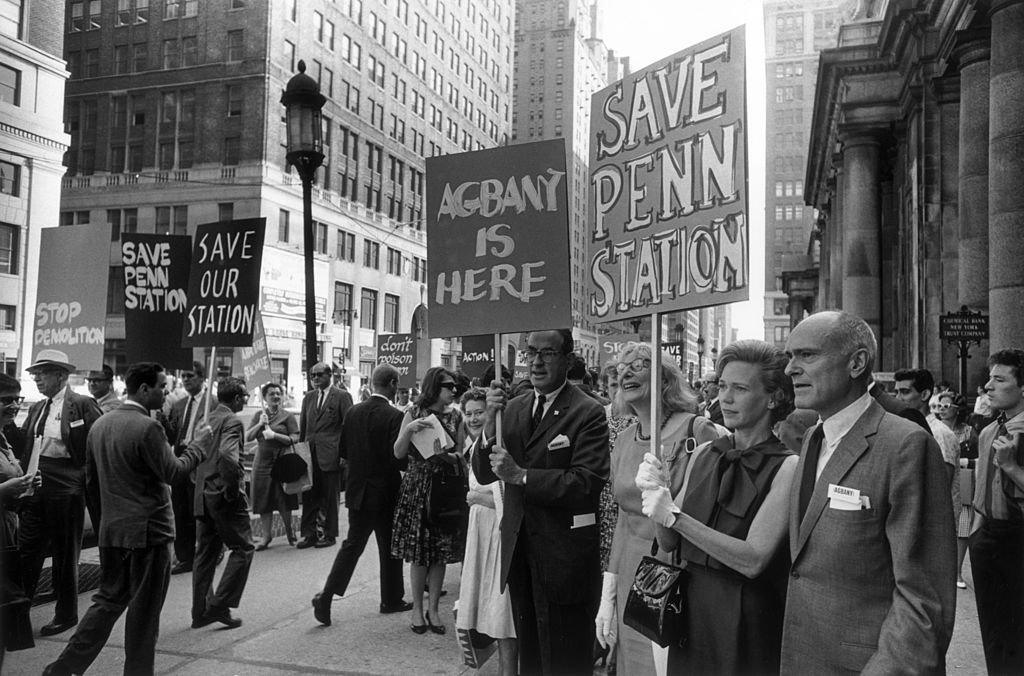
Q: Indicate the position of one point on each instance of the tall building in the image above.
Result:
(795, 32)
(174, 111)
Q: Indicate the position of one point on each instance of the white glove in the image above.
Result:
(658, 505)
(606, 622)
(651, 473)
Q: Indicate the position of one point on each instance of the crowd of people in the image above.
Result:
(820, 522)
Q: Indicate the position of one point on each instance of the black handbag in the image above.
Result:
(446, 506)
(657, 601)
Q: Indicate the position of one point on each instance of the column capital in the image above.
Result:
(996, 6)
(860, 135)
(972, 47)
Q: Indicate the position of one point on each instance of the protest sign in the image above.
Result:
(71, 299)
(399, 350)
(668, 185)
(611, 344)
(255, 359)
(498, 240)
(477, 355)
(224, 284)
(155, 280)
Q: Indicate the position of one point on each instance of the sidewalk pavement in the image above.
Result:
(279, 634)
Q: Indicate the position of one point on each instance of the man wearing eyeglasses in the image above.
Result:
(553, 460)
(101, 387)
(222, 513)
(323, 411)
(712, 408)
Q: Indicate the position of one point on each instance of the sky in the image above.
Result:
(649, 30)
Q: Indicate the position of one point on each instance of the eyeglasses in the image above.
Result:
(547, 354)
(7, 401)
(638, 364)
(316, 374)
(941, 407)
(449, 386)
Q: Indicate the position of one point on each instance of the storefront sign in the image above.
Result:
(290, 304)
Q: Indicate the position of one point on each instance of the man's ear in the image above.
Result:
(858, 363)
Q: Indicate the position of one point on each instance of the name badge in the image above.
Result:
(581, 520)
(76, 423)
(844, 494)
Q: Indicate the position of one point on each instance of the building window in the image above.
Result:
(345, 247)
(283, 218)
(781, 333)
(189, 51)
(11, 16)
(368, 309)
(321, 238)
(9, 175)
(225, 211)
(115, 290)
(232, 150)
(234, 100)
(236, 49)
(10, 85)
(9, 249)
(390, 313)
(343, 303)
(371, 254)
(7, 317)
(394, 261)
(140, 57)
(289, 55)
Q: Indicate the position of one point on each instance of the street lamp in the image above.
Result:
(700, 356)
(302, 101)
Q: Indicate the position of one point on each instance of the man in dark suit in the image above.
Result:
(893, 405)
(872, 539)
(181, 424)
(222, 513)
(132, 463)
(371, 491)
(323, 412)
(55, 432)
(553, 460)
(712, 407)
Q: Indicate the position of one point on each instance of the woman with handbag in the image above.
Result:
(730, 521)
(952, 410)
(428, 548)
(275, 430)
(634, 533)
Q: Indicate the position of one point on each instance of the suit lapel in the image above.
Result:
(555, 413)
(851, 448)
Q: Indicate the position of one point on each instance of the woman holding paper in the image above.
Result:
(634, 533)
(427, 549)
(726, 514)
(275, 430)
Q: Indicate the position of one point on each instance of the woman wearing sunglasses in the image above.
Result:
(427, 548)
(729, 522)
(634, 532)
(951, 409)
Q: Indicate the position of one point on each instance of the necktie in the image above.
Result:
(320, 401)
(809, 477)
(992, 468)
(183, 434)
(538, 413)
(41, 423)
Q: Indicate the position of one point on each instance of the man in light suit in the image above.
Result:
(872, 540)
(323, 412)
(372, 482)
(54, 517)
(181, 426)
(222, 513)
(553, 458)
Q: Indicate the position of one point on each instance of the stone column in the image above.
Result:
(861, 201)
(1006, 175)
(835, 242)
(972, 200)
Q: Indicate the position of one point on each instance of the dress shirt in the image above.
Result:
(192, 401)
(836, 427)
(52, 444)
(549, 399)
(1002, 507)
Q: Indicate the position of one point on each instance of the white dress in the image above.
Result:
(482, 605)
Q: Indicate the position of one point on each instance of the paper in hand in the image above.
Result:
(433, 439)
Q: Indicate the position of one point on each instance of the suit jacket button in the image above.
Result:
(795, 575)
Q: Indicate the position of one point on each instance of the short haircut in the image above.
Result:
(676, 394)
(230, 387)
(474, 394)
(920, 379)
(266, 387)
(382, 376)
(566, 334)
(851, 333)
(1013, 358)
(431, 386)
(320, 366)
(141, 373)
(772, 362)
(577, 368)
(9, 383)
(506, 375)
(198, 369)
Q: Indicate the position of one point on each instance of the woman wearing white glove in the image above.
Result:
(634, 533)
(732, 522)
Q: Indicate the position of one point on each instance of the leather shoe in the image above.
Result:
(56, 627)
(322, 609)
(326, 542)
(400, 607)
(181, 567)
(222, 615)
(306, 543)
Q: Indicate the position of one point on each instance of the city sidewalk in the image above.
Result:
(279, 634)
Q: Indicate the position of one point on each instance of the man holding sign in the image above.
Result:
(553, 458)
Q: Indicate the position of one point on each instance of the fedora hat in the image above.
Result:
(51, 359)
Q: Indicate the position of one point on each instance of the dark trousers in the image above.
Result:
(135, 579)
(56, 520)
(997, 565)
(225, 524)
(554, 638)
(182, 496)
(361, 523)
(323, 496)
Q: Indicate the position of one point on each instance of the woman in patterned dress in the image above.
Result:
(955, 415)
(428, 549)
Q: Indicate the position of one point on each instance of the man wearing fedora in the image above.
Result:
(55, 432)
(101, 387)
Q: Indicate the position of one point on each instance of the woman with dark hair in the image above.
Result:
(275, 430)
(427, 548)
(633, 533)
(727, 515)
(483, 606)
(952, 410)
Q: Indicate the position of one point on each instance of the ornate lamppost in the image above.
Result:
(302, 101)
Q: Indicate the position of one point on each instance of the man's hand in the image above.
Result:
(16, 487)
(202, 433)
(1004, 450)
(504, 467)
(496, 400)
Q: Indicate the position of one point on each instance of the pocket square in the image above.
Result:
(561, 441)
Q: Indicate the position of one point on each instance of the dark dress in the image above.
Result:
(15, 624)
(268, 495)
(412, 540)
(734, 623)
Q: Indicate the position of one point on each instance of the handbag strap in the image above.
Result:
(686, 479)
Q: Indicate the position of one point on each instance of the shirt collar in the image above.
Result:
(551, 396)
(378, 394)
(838, 425)
(132, 402)
(58, 399)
